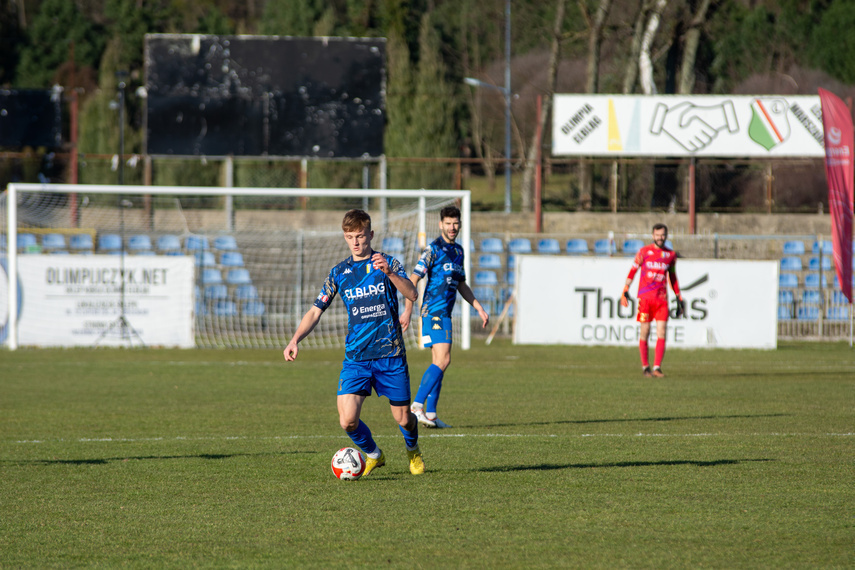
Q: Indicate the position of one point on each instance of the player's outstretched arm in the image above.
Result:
(408, 306)
(307, 324)
(469, 296)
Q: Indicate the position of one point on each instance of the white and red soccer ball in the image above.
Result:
(348, 464)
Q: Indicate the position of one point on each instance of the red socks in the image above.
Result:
(642, 348)
(660, 352)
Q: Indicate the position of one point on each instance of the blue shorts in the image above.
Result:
(436, 330)
(390, 377)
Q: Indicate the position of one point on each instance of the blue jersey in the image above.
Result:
(442, 263)
(373, 330)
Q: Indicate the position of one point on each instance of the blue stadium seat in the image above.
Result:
(548, 246)
(79, 242)
(631, 246)
(785, 312)
(826, 245)
(238, 277)
(791, 264)
(168, 242)
(785, 297)
(193, 243)
(489, 261)
(794, 248)
(492, 245)
(811, 297)
(53, 241)
(812, 281)
(109, 242)
(511, 278)
(838, 298)
(487, 297)
(225, 243)
(26, 240)
(392, 245)
(211, 276)
(519, 245)
(139, 242)
(231, 259)
(788, 281)
(253, 309)
(205, 259)
(577, 247)
(246, 293)
(225, 308)
(813, 263)
(840, 313)
(807, 313)
(214, 292)
(486, 278)
(512, 261)
(604, 247)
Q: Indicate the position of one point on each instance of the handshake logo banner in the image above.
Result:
(688, 125)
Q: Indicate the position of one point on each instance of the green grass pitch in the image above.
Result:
(558, 457)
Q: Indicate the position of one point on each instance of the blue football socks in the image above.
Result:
(411, 438)
(361, 436)
(429, 388)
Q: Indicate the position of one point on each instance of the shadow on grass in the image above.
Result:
(625, 420)
(553, 466)
(106, 460)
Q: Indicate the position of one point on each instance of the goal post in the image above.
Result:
(268, 252)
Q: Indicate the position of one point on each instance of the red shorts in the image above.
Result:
(652, 309)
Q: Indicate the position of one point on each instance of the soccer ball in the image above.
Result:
(348, 464)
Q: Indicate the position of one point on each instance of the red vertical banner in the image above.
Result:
(839, 157)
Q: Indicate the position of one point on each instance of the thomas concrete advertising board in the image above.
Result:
(565, 300)
(75, 300)
(736, 126)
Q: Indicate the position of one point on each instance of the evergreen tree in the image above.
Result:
(833, 45)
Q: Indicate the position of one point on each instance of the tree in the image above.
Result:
(833, 45)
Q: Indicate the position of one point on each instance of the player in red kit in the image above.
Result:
(658, 266)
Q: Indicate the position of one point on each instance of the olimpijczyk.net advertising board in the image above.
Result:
(764, 126)
(564, 300)
(75, 300)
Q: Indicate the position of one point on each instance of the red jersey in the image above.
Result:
(655, 265)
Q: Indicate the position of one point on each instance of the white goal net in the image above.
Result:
(259, 258)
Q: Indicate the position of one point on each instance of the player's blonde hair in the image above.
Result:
(356, 220)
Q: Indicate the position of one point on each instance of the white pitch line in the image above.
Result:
(454, 435)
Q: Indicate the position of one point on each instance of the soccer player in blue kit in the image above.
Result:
(375, 357)
(442, 263)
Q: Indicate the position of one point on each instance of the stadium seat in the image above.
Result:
(511, 277)
(486, 278)
(548, 246)
(193, 243)
(80, 242)
(788, 281)
(225, 243)
(253, 309)
(168, 242)
(826, 245)
(785, 297)
(211, 276)
(231, 259)
(519, 245)
(392, 245)
(492, 245)
(577, 247)
(215, 292)
(838, 298)
(604, 247)
(812, 281)
(487, 297)
(205, 259)
(807, 313)
(139, 243)
(238, 277)
(791, 264)
(110, 243)
(840, 313)
(794, 248)
(489, 261)
(26, 240)
(785, 312)
(53, 241)
(631, 246)
(811, 297)
(225, 308)
(512, 261)
(246, 293)
(813, 263)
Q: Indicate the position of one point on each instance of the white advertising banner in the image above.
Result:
(734, 126)
(75, 300)
(572, 300)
